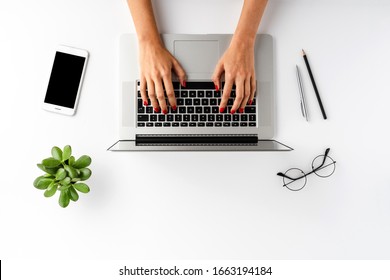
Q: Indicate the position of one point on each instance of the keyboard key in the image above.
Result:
(252, 118)
(218, 124)
(209, 124)
(167, 124)
(211, 118)
(233, 93)
(194, 118)
(250, 109)
(205, 102)
(176, 85)
(219, 118)
(201, 124)
(149, 124)
(244, 117)
(207, 110)
(192, 93)
(141, 124)
(161, 118)
(215, 110)
(184, 93)
(180, 102)
(192, 124)
(197, 102)
(235, 124)
(225, 124)
(184, 124)
(175, 124)
(149, 110)
(243, 124)
(213, 102)
(178, 118)
(236, 117)
(230, 101)
(227, 117)
(202, 118)
(170, 118)
(182, 110)
(252, 124)
(209, 93)
(188, 102)
(139, 93)
(190, 110)
(217, 94)
(143, 118)
(200, 93)
(153, 118)
(198, 110)
(200, 85)
(158, 124)
(186, 118)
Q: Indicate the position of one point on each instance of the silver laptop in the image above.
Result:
(197, 124)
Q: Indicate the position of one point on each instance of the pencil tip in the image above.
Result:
(303, 52)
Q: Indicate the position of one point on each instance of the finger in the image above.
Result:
(152, 96)
(180, 73)
(144, 95)
(253, 90)
(247, 95)
(216, 78)
(239, 96)
(227, 89)
(170, 92)
(161, 95)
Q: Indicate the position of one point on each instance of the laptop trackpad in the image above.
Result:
(198, 57)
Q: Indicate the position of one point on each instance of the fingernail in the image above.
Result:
(250, 102)
(184, 84)
(174, 108)
(241, 110)
(157, 110)
(221, 110)
(216, 88)
(165, 112)
(146, 103)
(232, 111)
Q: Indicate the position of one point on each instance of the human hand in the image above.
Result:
(157, 64)
(238, 65)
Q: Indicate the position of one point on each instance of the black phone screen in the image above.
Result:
(65, 80)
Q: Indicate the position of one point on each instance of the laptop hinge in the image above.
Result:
(196, 139)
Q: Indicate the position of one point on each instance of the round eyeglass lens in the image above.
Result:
(299, 179)
(327, 169)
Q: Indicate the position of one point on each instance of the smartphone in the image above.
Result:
(65, 81)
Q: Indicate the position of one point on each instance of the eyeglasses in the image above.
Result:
(295, 179)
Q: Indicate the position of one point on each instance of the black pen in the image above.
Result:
(314, 85)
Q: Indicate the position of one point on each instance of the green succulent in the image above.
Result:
(64, 173)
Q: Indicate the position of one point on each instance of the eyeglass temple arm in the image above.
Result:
(285, 176)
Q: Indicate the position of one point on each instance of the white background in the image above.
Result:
(200, 205)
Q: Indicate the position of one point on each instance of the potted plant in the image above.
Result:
(65, 174)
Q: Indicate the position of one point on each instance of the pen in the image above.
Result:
(314, 85)
(301, 95)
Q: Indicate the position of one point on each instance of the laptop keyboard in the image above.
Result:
(197, 106)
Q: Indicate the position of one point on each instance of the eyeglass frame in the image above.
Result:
(311, 172)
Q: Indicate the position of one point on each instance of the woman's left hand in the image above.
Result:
(237, 64)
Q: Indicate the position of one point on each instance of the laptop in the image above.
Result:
(197, 124)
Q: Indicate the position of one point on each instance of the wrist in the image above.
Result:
(147, 41)
(243, 41)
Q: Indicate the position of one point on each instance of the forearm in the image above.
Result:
(144, 21)
(251, 14)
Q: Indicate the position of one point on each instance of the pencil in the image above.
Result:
(314, 85)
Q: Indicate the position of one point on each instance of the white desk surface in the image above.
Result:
(200, 205)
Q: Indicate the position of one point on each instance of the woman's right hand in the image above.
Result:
(156, 65)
